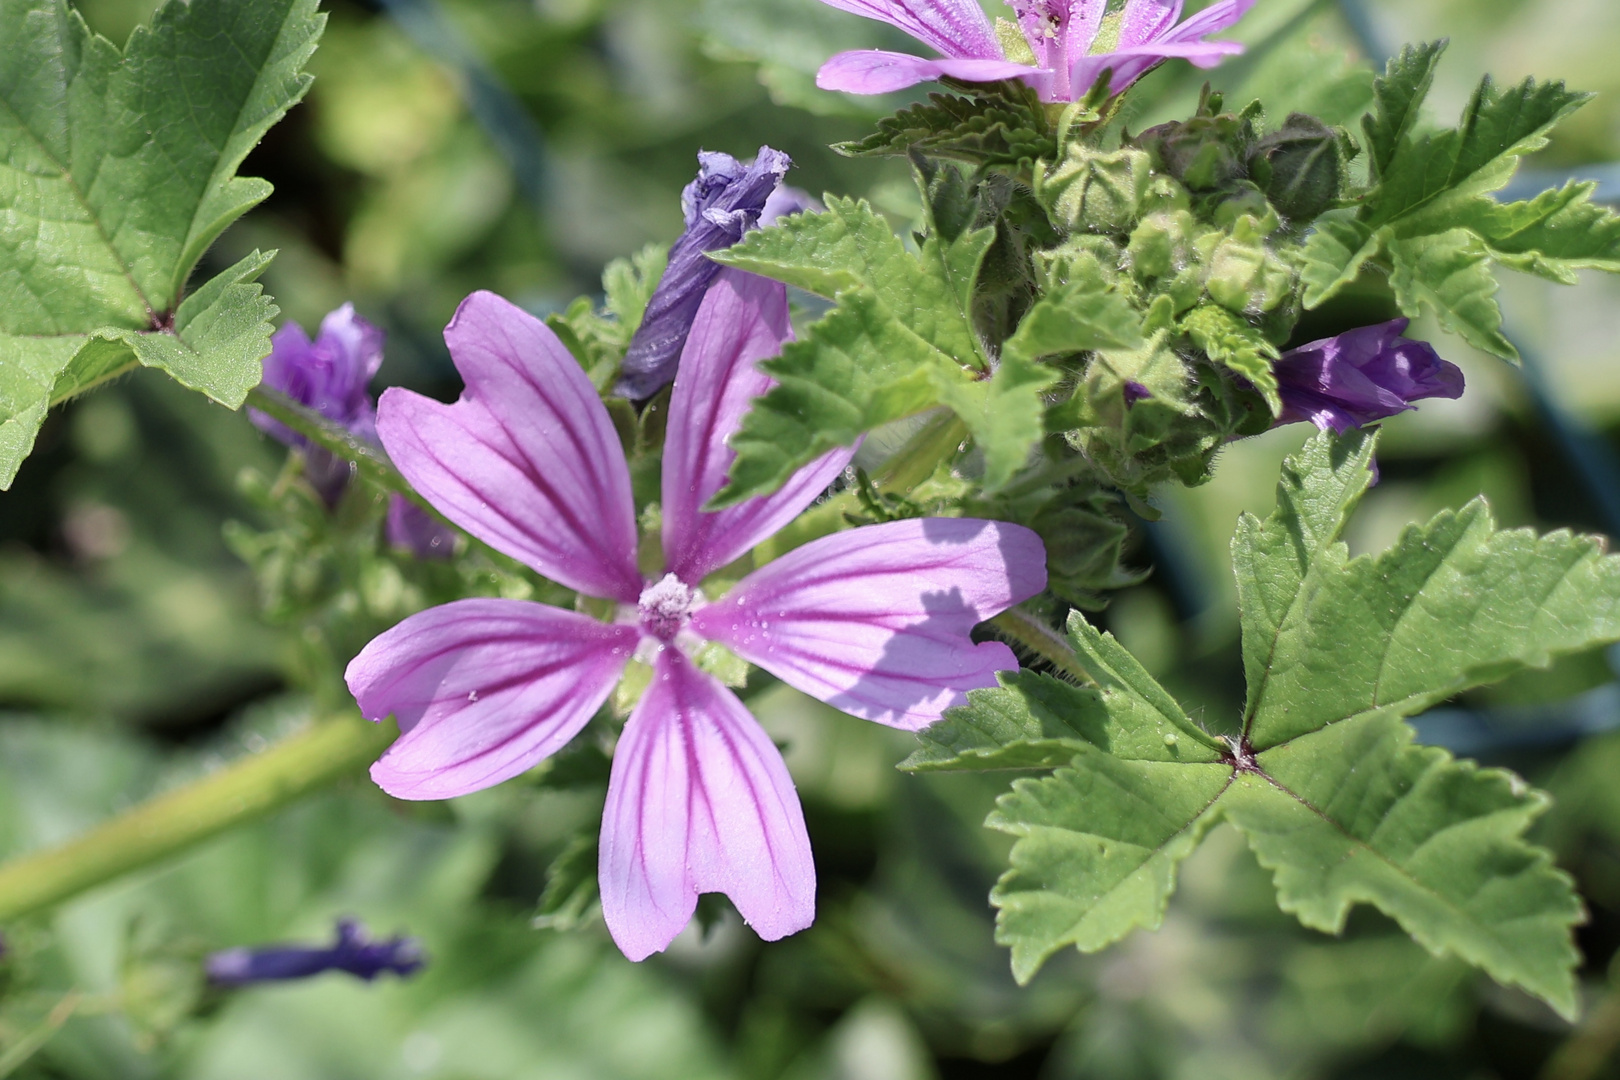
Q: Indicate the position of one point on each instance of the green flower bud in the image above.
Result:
(1300, 167)
(1206, 153)
(1096, 192)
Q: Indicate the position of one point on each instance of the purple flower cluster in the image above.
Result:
(875, 621)
(329, 376)
(1361, 376)
(353, 952)
(1073, 43)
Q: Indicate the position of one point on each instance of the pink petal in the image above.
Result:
(1130, 64)
(956, 28)
(1080, 30)
(699, 801)
(873, 71)
(1146, 20)
(744, 319)
(876, 621)
(1212, 20)
(527, 460)
(483, 690)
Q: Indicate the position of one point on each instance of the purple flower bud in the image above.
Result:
(1361, 376)
(1134, 392)
(328, 375)
(726, 200)
(417, 531)
(353, 952)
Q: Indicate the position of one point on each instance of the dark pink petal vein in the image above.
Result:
(699, 801)
(876, 621)
(527, 460)
(744, 319)
(483, 690)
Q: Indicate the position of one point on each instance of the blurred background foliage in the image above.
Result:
(518, 145)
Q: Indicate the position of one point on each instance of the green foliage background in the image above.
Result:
(132, 654)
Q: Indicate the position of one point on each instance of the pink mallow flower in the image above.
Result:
(1071, 43)
(875, 621)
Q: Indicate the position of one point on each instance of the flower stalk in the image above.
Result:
(1031, 634)
(179, 820)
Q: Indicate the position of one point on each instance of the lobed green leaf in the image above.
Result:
(117, 172)
(1323, 777)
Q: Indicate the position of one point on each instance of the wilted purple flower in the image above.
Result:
(1361, 376)
(329, 376)
(1071, 43)
(874, 621)
(726, 200)
(352, 952)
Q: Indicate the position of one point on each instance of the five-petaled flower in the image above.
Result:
(1360, 376)
(1072, 42)
(329, 376)
(875, 620)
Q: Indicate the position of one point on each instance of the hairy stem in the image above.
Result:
(1031, 633)
(370, 458)
(173, 822)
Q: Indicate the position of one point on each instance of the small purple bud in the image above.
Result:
(1361, 376)
(328, 375)
(726, 200)
(1134, 392)
(417, 531)
(353, 953)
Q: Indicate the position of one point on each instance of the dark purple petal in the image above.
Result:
(1134, 392)
(1361, 376)
(699, 801)
(743, 319)
(876, 621)
(353, 952)
(956, 28)
(414, 529)
(329, 376)
(483, 690)
(874, 71)
(725, 201)
(527, 460)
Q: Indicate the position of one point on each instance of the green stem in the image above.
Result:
(18, 1053)
(174, 822)
(335, 438)
(1026, 630)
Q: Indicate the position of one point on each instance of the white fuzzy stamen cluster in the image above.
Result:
(665, 605)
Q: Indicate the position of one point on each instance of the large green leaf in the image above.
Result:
(1428, 219)
(117, 171)
(1321, 774)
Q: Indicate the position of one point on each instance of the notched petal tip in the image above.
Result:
(699, 801)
